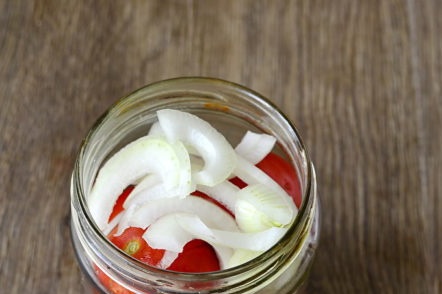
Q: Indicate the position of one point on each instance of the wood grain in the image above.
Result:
(361, 80)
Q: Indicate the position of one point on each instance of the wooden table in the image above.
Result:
(361, 80)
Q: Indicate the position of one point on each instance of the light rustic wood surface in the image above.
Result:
(361, 80)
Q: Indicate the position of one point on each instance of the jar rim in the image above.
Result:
(293, 230)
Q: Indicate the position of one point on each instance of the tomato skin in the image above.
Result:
(284, 174)
(131, 241)
(197, 257)
(118, 207)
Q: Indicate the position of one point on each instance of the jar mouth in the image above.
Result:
(293, 231)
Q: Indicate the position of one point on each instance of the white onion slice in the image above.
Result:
(219, 156)
(146, 214)
(151, 188)
(113, 223)
(165, 233)
(168, 258)
(259, 208)
(156, 130)
(126, 214)
(256, 241)
(168, 234)
(225, 193)
(254, 147)
(251, 174)
(146, 183)
(143, 156)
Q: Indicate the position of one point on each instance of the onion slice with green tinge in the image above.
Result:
(259, 207)
(218, 155)
(148, 154)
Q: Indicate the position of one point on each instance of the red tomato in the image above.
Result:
(197, 257)
(238, 182)
(284, 174)
(131, 241)
(118, 207)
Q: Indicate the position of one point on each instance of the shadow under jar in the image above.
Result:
(232, 109)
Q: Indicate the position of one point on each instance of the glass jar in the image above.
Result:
(232, 109)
